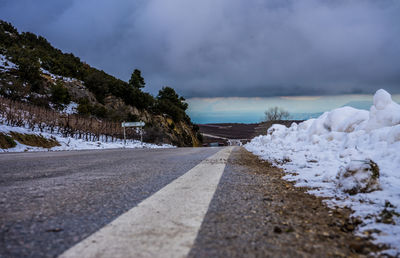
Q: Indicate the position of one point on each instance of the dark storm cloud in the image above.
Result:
(228, 47)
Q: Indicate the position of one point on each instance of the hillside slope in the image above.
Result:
(34, 72)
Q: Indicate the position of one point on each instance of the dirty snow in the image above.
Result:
(320, 153)
(69, 143)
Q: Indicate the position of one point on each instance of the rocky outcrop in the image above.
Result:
(158, 129)
(164, 129)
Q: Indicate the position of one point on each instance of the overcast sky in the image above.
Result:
(208, 48)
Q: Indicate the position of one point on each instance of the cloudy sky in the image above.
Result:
(234, 48)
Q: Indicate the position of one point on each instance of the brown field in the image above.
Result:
(245, 132)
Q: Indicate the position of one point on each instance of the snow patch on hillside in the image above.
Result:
(71, 108)
(69, 143)
(6, 65)
(338, 154)
(58, 77)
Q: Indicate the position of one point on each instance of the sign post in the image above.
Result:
(133, 124)
(124, 133)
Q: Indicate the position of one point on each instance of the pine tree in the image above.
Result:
(137, 80)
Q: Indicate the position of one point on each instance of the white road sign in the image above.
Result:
(132, 124)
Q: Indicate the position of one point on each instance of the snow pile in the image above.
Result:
(350, 155)
(69, 143)
(6, 65)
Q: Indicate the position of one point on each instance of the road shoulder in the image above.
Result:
(255, 213)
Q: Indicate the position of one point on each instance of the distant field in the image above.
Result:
(229, 130)
(219, 132)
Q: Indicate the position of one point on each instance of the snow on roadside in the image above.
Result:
(70, 143)
(337, 156)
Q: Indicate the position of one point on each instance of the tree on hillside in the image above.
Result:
(137, 80)
(168, 93)
(170, 103)
(276, 113)
(60, 95)
(29, 70)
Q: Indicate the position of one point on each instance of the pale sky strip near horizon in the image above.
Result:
(251, 110)
(163, 225)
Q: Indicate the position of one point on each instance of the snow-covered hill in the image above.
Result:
(349, 155)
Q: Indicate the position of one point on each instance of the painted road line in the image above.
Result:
(163, 225)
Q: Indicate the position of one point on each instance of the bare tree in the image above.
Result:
(275, 113)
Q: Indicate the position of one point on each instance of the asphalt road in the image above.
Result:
(50, 201)
(195, 202)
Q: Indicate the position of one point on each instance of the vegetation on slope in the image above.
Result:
(6, 141)
(47, 77)
(35, 140)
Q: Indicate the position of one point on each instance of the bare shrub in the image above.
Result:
(359, 176)
(15, 113)
(276, 113)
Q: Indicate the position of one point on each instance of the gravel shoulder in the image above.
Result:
(255, 213)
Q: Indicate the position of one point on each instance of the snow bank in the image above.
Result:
(335, 156)
(70, 143)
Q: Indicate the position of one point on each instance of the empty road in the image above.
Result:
(183, 202)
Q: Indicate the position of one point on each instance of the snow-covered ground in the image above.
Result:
(338, 155)
(74, 144)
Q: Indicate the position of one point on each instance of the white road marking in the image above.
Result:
(163, 225)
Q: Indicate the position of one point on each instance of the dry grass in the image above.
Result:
(35, 140)
(6, 141)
